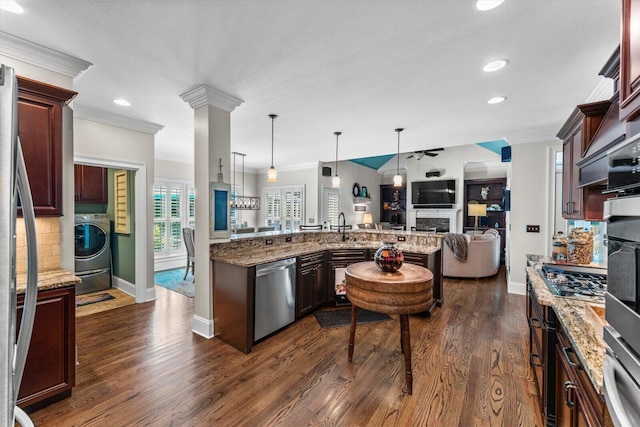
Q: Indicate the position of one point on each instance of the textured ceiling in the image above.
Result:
(361, 67)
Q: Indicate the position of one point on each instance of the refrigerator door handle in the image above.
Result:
(31, 292)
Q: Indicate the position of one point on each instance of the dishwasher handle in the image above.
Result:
(264, 269)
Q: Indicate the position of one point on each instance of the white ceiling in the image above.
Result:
(361, 67)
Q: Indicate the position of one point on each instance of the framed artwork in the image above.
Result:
(219, 210)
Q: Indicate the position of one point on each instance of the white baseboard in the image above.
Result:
(202, 326)
(169, 263)
(517, 288)
(130, 289)
(124, 286)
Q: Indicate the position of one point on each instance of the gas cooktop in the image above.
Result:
(589, 284)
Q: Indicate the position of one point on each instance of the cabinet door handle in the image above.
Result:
(533, 320)
(566, 351)
(532, 362)
(567, 386)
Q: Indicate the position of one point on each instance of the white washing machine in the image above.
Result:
(92, 252)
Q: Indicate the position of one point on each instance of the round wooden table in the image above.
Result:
(407, 291)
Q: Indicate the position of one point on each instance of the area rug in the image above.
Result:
(118, 299)
(92, 298)
(172, 280)
(336, 318)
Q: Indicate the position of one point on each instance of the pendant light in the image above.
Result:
(397, 180)
(272, 174)
(335, 181)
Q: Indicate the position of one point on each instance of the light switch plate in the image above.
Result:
(268, 242)
(401, 238)
(287, 239)
(533, 228)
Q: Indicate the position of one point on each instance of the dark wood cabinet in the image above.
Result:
(542, 342)
(90, 184)
(40, 126)
(492, 193)
(311, 285)
(393, 204)
(433, 262)
(49, 373)
(577, 134)
(630, 61)
(577, 402)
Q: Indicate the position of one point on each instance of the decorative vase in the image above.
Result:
(388, 258)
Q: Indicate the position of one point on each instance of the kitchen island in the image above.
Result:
(321, 258)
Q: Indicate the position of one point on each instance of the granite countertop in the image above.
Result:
(250, 252)
(47, 280)
(587, 343)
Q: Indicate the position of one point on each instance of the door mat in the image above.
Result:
(336, 318)
(82, 300)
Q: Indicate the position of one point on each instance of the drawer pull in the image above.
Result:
(566, 351)
(537, 324)
(532, 362)
(567, 386)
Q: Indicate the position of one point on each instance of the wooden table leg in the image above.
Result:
(406, 349)
(352, 330)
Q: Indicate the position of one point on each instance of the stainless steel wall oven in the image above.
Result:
(622, 359)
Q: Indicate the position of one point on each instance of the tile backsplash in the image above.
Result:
(48, 238)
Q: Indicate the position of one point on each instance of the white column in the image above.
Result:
(212, 141)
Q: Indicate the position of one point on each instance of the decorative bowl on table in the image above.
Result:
(388, 257)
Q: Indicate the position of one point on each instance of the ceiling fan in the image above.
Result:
(431, 152)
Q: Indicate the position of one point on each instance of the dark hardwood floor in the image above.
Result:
(141, 365)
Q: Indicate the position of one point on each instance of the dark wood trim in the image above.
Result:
(40, 89)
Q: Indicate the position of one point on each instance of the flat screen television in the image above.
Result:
(440, 193)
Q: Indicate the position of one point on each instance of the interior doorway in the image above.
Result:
(143, 263)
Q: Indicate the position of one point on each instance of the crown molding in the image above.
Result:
(602, 91)
(537, 134)
(101, 116)
(32, 53)
(206, 95)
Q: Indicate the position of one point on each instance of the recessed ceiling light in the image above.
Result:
(122, 102)
(497, 100)
(483, 5)
(11, 6)
(495, 65)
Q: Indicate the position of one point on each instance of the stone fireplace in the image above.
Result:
(443, 220)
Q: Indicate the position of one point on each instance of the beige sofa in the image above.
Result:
(483, 257)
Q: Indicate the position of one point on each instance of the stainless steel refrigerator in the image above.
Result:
(14, 186)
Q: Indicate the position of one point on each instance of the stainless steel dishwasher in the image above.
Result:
(275, 297)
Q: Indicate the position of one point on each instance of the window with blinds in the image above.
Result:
(283, 207)
(173, 209)
(333, 207)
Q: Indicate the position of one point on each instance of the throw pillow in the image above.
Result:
(490, 236)
(492, 231)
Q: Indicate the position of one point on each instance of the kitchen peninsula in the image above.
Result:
(566, 353)
(318, 254)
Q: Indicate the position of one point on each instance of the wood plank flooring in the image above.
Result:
(141, 366)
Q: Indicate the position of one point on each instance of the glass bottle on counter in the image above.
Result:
(580, 246)
(559, 245)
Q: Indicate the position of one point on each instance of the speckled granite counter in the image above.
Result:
(582, 333)
(248, 252)
(50, 279)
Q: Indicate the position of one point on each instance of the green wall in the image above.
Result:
(123, 246)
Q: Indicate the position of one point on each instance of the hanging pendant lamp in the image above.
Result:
(272, 174)
(335, 181)
(397, 180)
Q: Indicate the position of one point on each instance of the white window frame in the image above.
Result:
(186, 218)
(279, 219)
(328, 192)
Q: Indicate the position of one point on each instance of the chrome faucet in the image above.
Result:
(344, 225)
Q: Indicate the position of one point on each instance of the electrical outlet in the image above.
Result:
(533, 228)
(287, 239)
(401, 238)
(269, 242)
